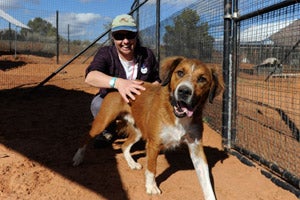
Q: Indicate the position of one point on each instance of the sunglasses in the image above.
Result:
(122, 36)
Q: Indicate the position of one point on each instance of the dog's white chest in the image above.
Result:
(172, 136)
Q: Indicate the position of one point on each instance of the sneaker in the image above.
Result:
(103, 140)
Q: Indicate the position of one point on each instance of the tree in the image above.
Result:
(40, 26)
(10, 35)
(188, 37)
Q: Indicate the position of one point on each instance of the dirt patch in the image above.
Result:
(41, 129)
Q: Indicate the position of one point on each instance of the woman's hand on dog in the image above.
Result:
(129, 88)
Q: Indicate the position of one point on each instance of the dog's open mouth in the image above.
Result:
(182, 110)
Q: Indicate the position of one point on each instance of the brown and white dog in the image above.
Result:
(165, 116)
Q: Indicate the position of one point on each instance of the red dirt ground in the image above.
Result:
(40, 131)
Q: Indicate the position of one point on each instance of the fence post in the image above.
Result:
(68, 39)
(57, 39)
(10, 37)
(235, 62)
(227, 69)
(158, 30)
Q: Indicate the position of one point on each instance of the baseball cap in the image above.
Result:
(123, 22)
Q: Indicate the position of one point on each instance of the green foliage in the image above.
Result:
(188, 37)
(41, 27)
(10, 35)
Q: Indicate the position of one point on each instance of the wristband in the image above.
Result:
(112, 82)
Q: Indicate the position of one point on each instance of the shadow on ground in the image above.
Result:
(46, 126)
(180, 160)
(8, 65)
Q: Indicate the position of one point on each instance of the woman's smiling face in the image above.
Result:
(125, 42)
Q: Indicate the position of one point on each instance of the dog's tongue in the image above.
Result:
(182, 110)
(187, 111)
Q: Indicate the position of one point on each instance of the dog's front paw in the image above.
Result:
(151, 186)
(78, 157)
(152, 189)
(135, 165)
(131, 163)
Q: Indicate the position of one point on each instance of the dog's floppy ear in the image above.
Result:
(217, 85)
(167, 67)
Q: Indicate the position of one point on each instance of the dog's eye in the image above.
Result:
(180, 73)
(201, 79)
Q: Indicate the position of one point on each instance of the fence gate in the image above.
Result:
(262, 106)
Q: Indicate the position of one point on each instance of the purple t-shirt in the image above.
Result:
(107, 61)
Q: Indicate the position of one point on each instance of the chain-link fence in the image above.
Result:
(255, 44)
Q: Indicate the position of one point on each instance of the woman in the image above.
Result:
(118, 67)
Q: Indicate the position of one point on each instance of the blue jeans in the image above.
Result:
(96, 104)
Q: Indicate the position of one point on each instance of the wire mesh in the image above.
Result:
(268, 100)
(268, 87)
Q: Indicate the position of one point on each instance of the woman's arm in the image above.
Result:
(98, 79)
(126, 88)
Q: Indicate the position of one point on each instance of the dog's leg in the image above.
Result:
(134, 136)
(99, 124)
(199, 161)
(79, 155)
(152, 154)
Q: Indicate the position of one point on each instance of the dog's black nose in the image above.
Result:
(184, 92)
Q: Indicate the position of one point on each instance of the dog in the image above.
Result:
(165, 116)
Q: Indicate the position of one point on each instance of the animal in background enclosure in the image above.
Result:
(269, 65)
(166, 116)
(270, 61)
